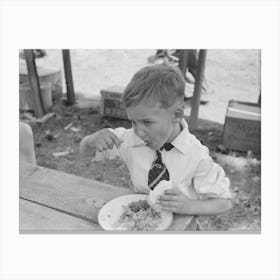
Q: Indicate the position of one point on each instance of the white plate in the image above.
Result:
(110, 213)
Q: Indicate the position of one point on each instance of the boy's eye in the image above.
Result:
(147, 122)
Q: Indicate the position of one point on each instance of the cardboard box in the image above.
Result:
(111, 102)
(242, 128)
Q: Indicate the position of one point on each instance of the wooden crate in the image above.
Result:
(111, 102)
(242, 128)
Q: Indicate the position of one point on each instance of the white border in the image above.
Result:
(200, 24)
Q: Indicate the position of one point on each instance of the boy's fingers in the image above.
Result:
(116, 139)
(99, 147)
(169, 203)
(172, 192)
(109, 142)
(169, 206)
(168, 197)
(169, 209)
(103, 143)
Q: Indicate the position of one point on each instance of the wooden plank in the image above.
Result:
(74, 195)
(34, 83)
(68, 77)
(197, 89)
(35, 217)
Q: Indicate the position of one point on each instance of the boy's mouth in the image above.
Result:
(144, 143)
(151, 145)
(147, 142)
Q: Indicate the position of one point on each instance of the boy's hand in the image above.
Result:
(99, 141)
(175, 201)
(104, 140)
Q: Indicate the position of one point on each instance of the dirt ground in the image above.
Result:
(231, 74)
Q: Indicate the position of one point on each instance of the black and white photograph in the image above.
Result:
(140, 140)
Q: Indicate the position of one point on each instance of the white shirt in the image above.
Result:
(190, 167)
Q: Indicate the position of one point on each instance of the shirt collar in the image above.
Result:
(180, 142)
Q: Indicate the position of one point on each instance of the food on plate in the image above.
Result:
(139, 215)
(157, 191)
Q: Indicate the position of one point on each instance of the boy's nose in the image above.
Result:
(139, 131)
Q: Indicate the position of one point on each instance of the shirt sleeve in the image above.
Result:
(112, 153)
(210, 180)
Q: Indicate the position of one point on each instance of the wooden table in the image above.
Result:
(50, 200)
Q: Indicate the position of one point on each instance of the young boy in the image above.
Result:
(160, 147)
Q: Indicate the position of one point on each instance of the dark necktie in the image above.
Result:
(158, 171)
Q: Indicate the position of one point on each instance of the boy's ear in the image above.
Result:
(178, 114)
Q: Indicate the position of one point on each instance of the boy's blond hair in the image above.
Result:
(161, 83)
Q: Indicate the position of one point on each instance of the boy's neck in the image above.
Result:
(177, 130)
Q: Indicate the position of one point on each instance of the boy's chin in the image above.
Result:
(153, 146)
